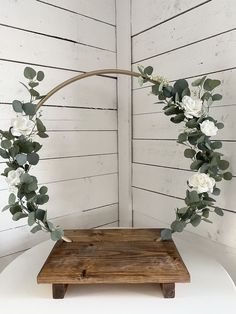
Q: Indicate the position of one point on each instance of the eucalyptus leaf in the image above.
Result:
(57, 234)
(148, 70)
(216, 191)
(223, 164)
(31, 218)
(29, 108)
(196, 164)
(43, 190)
(6, 144)
(18, 216)
(166, 234)
(178, 226)
(33, 92)
(219, 211)
(33, 84)
(182, 137)
(5, 208)
(178, 118)
(182, 210)
(33, 158)
(216, 97)
(216, 145)
(194, 197)
(195, 221)
(33, 186)
(206, 212)
(40, 214)
(21, 159)
(220, 125)
(227, 175)
(42, 199)
(209, 84)
(29, 73)
(4, 154)
(11, 199)
(189, 153)
(199, 81)
(40, 126)
(17, 106)
(40, 76)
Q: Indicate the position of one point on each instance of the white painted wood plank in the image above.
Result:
(93, 92)
(70, 196)
(38, 17)
(185, 29)
(214, 54)
(148, 13)
(63, 118)
(144, 101)
(103, 10)
(160, 208)
(20, 238)
(159, 126)
(124, 112)
(155, 126)
(81, 143)
(54, 170)
(53, 52)
(174, 182)
(170, 154)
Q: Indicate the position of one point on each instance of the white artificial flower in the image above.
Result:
(192, 107)
(22, 125)
(208, 128)
(13, 179)
(201, 183)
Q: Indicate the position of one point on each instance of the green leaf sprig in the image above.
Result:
(203, 152)
(20, 150)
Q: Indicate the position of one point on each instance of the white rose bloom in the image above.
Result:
(22, 125)
(208, 128)
(13, 179)
(192, 107)
(201, 183)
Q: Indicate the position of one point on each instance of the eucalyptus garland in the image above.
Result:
(19, 147)
(191, 108)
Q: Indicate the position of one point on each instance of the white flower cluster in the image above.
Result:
(202, 183)
(194, 108)
(13, 179)
(22, 125)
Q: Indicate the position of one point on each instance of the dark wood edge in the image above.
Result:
(168, 290)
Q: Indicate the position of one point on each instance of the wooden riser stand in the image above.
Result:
(114, 256)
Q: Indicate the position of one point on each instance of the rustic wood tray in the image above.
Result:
(113, 256)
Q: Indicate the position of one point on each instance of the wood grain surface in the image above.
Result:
(114, 256)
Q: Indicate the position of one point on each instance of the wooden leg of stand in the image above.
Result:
(168, 290)
(58, 291)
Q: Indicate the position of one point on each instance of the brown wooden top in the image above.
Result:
(114, 256)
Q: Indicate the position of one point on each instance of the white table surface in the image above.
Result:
(211, 290)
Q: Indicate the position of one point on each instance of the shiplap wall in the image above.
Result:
(79, 160)
(182, 39)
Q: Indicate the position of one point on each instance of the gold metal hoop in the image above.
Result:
(84, 75)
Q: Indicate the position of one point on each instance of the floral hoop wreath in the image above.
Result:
(190, 107)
